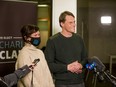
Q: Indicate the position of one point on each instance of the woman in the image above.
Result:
(40, 76)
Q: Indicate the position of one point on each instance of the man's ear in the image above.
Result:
(61, 24)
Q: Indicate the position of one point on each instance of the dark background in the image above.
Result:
(13, 15)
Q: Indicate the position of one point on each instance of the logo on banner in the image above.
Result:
(10, 47)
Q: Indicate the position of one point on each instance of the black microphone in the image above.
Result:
(26, 69)
(95, 63)
(6, 81)
(34, 63)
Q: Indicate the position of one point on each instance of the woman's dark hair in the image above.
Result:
(27, 30)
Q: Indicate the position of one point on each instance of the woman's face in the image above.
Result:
(35, 34)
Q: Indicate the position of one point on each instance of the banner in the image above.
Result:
(13, 15)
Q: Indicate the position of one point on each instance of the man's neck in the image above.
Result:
(66, 34)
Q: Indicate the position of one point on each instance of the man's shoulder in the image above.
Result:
(55, 36)
(76, 34)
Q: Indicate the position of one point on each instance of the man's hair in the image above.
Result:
(27, 30)
(62, 17)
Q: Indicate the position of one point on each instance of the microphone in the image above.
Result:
(101, 74)
(90, 66)
(95, 63)
(6, 81)
(34, 63)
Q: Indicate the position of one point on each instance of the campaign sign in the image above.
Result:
(13, 15)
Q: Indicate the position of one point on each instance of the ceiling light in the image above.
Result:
(106, 20)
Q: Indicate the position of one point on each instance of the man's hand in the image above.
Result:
(75, 67)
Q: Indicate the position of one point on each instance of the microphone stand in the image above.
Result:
(110, 77)
(95, 77)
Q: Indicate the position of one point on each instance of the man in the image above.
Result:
(66, 54)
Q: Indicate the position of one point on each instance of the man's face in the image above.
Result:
(69, 24)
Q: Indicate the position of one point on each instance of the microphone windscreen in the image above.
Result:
(36, 61)
(90, 66)
(99, 65)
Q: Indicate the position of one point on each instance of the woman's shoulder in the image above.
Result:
(40, 52)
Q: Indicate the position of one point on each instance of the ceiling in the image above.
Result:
(41, 1)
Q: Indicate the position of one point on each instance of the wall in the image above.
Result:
(58, 7)
(44, 23)
(13, 15)
(82, 20)
(102, 38)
